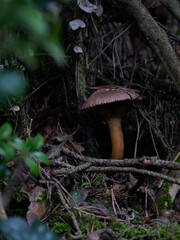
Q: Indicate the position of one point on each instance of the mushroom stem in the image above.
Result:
(117, 139)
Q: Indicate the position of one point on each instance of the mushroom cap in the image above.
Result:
(109, 95)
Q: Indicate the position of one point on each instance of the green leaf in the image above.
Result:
(85, 184)
(33, 166)
(16, 228)
(38, 141)
(7, 151)
(55, 51)
(41, 157)
(17, 144)
(11, 84)
(5, 131)
(34, 144)
(30, 146)
(21, 68)
(40, 232)
(2, 152)
(32, 19)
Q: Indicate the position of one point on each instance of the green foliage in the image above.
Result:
(165, 201)
(17, 229)
(85, 184)
(166, 186)
(98, 181)
(136, 232)
(26, 27)
(10, 145)
(11, 85)
(90, 221)
(19, 197)
(61, 227)
(18, 205)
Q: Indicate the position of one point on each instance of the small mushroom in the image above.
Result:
(112, 102)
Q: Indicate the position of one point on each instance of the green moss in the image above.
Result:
(87, 222)
(61, 223)
(165, 201)
(18, 205)
(61, 228)
(166, 187)
(126, 231)
(98, 181)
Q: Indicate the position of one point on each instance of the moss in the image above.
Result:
(18, 205)
(165, 201)
(98, 181)
(88, 222)
(60, 228)
(61, 223)
(126, 231)
(166, 187)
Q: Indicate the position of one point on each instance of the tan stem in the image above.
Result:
(117, 139)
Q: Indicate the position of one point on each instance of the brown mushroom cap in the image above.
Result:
(110, 94)
(112, 102)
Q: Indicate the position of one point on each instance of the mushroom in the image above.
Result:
(112, 102)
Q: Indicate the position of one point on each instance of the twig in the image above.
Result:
(116, 37)
(129, 169)
(59, 191)
(155, 35)
(72, 169)
(137, 136)
(140, 162)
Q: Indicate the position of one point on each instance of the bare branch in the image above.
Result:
(154, 34)
(138, 162)
(113, 165)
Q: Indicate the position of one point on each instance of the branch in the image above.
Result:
(154, 34)
(138, 162)
(129, 169)
(113, 165)
(120, 169)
